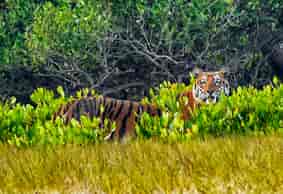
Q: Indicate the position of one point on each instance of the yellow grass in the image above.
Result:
(222, 165)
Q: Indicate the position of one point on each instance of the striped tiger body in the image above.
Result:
(123, 112)
(207, 89)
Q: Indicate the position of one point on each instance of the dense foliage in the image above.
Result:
(25, 125)
(70, 31)
(247, 111)
(122, 48)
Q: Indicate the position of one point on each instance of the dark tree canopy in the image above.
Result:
(122, 48)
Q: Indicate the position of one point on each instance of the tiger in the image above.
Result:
(124, 113)
(207, 89)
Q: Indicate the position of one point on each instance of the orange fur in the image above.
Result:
(188, 104)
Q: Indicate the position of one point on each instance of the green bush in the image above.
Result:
(246, 111)
(25, 125)
(170, 125)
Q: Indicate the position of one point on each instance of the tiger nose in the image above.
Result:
(209, 92)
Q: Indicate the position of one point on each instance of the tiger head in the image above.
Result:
(208, 86)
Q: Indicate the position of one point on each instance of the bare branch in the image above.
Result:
(123, 87)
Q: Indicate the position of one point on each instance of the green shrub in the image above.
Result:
(246, 111)
(25, 125)
(169, 126)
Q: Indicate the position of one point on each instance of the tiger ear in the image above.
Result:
(196, 71)
(224, 71)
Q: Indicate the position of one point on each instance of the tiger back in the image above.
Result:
(124, 113)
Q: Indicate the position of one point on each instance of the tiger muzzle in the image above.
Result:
(212, 97)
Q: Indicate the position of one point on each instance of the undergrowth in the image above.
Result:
(213, 165)
(248, 111)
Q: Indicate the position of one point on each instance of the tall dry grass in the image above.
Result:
(222, 165)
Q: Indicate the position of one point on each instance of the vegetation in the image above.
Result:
(71, 31)
(123, 48)
(247, 112)
(26, 125)
(222, 165)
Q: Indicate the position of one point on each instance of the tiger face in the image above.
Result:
(209, 86)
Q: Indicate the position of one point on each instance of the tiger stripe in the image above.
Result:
(124, 113)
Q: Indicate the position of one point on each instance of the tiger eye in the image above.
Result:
(202, 81)
(217, 81)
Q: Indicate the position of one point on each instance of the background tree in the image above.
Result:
(122, 47)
